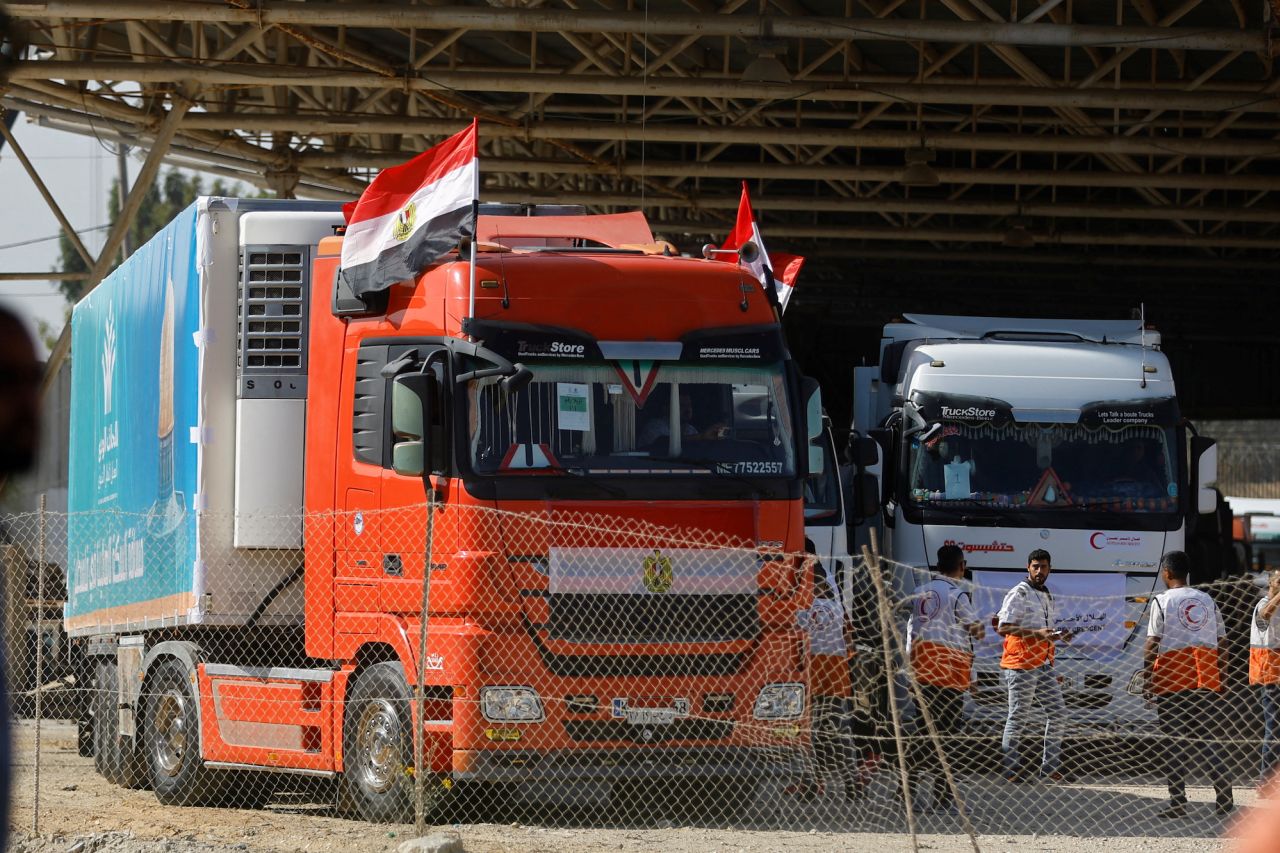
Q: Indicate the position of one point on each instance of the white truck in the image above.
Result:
(1003, 436)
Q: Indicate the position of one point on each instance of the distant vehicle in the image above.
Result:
(1256, 532)
(1004, 435)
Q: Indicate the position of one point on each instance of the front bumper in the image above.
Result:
(611, 765)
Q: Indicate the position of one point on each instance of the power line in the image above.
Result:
(54, 237)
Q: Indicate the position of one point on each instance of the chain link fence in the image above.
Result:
(1249, 470)
(587, 671)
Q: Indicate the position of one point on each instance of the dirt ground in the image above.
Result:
(79, 812)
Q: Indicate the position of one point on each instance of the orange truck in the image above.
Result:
(614, 441)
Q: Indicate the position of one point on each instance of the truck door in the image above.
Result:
(403, 496)
(360, 525)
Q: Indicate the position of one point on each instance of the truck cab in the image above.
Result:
(535, 516)
(1005, 435)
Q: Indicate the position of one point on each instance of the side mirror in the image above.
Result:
(408, 458)
(1205, 459)
(816, 461)
(867, 492)
(814, 426)
(413, 401)
(1206, 500)
(517, 381)
(409, 393)
(812, 407)
(863, 452)
(886, 440)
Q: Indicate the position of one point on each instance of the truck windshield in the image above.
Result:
(670, 419)
(1044, 467)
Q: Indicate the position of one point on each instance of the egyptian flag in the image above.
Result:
(778, 271)
(411, 214)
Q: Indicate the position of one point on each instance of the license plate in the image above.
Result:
(650, 716)
(648, 712)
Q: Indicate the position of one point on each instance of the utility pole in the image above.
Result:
(122, 173)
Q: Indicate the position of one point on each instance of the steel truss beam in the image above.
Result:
(590, 22)
(725, 87)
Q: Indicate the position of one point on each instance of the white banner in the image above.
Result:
(1091, 603)
(641, 571)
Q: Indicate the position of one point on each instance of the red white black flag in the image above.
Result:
(778, 271)
(411, 214)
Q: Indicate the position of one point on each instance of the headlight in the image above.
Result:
(510, 705)
(780, 702)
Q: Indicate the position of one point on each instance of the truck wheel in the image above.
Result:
(377, 745)
(112, 758)
(171, 740)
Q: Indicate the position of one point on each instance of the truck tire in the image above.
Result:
(112, 757)
(377, 745)
(171, 740)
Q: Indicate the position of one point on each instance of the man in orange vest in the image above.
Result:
(1181, 664)
(837, 750)
(940, 638)
(1026, 621)
(1264, 671)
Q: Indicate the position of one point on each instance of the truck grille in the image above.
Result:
(620, 731)
(600, 666)
(612, 618)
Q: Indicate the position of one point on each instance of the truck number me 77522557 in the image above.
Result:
(749, 467)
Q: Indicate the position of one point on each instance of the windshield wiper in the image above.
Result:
(1105, 503)
(1004, 513)
(581, 473)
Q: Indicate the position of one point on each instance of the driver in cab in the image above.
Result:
(659, 426)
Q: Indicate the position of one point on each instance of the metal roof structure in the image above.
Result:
(1135, 137)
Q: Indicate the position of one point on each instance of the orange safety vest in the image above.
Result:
(829, 648)
(829, 675)
(1264, 648)
(941, 651)
(1186, 621)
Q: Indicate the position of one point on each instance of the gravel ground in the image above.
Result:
(79, 812)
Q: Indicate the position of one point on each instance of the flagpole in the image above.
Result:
(475, 223)
(475, 238)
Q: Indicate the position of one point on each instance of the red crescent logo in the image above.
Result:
(930, 604)
(1093, 541)
(1192, 615)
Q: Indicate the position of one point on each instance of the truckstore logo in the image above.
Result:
(657, 572)
(553, 349)
(108, 359)
(969, 413)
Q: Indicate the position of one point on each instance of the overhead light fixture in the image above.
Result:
(1019, 235)
(766, 69)
(918, 171)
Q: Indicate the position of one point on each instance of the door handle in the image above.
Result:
(393, 565)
